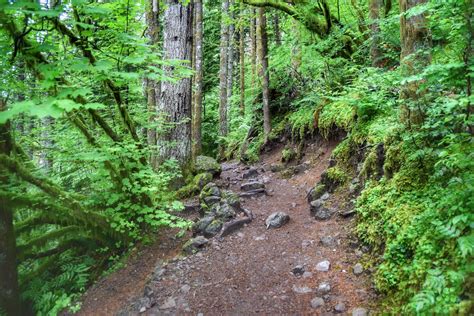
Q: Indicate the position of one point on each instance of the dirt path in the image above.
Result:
(249, 272)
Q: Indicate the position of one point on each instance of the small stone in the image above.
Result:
(323, 266)
(307, 275)
(340, 307)
(323, 214)
(143, 309)
(358, 253)
(169, 303)
(317, 302)
(301, 289)
(277, 220)
(325, 196)
(195, 244)
(293, 204)
(359, 311)
(259, 238)
(240, 235)
(327, 241)
(324, 288)
(298, 270)
(306, 243)
(185, 288)
(358, 269)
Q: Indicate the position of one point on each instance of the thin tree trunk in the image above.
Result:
(9, 290)
(175, 102)
(296, 49)
(224, 44)
(262, 42)
(242, 59)
(276, 29)
(374, 16)
(253, 48)
(231, 55)
(152, 87)
(415, 38)
(197, 112)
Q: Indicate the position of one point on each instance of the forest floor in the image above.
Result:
(250, 271)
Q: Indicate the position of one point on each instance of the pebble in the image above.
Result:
(323, 266)
(324, 288)
(359, 311)
(185, 288)
(358, 269)
(317, 302)
(301, 289)
(261, 237)
(169, 303)
(306, 243)
(340, 307)
(298, 270)
(307, 275)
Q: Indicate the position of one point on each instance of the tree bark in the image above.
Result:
(231, 55)
(276, 28)
(262, 42)
(374, 16)
(175, 102)
(9, 290)
(415, 38)
(253, 48)
(152, 87)
(242, 59)
(197, 112)
(224, 44)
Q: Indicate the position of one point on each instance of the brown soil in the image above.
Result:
(248, 272)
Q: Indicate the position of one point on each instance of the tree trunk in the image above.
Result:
(224, 44)
(197, 117)
(9, 290)
(276, 29)
(152, 87)
(262, 42)
(231, 55)
(174, 106)
(242, 59)
(374, 16)
(296, 49)
(415, 38)
(253, 49)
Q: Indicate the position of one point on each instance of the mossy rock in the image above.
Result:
(316, 192)
(213, 228)
(210, 189)
(195, 185)
(232, 199)
(205, 164)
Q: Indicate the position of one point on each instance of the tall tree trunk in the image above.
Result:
(45, 160)
(197, 112)
(296, 48)
(374, 16)
(175, 102)
(242, 59)
(253, 48)
(224, 44)
(9, 290)
(262, 42)
(231, 54)
(415, 38)
(152, 87)
(276, 28)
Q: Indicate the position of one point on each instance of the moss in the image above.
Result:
(337, 175)
(195, 185)
(288, 154)
(207, 164)
(336, 114)
(370, 164)
(302, 121)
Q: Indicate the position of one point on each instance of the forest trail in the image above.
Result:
(250, 271)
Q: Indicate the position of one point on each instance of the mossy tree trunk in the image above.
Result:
(9, 290)
(262, 44)
(415, 39)
(242, 58)
(197, 105)
(224, 44)
(374, 16)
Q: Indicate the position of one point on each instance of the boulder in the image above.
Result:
(250, 174)
(213, 228)
(207, 164)
(232, 199)
(195, 244)
(252, 193)
(252, 185)
(277, 219)
(211, 200)
(225, 211)
(201, 225)
(315, 205)
(323, 214)
(277, 167)
(316, 192)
